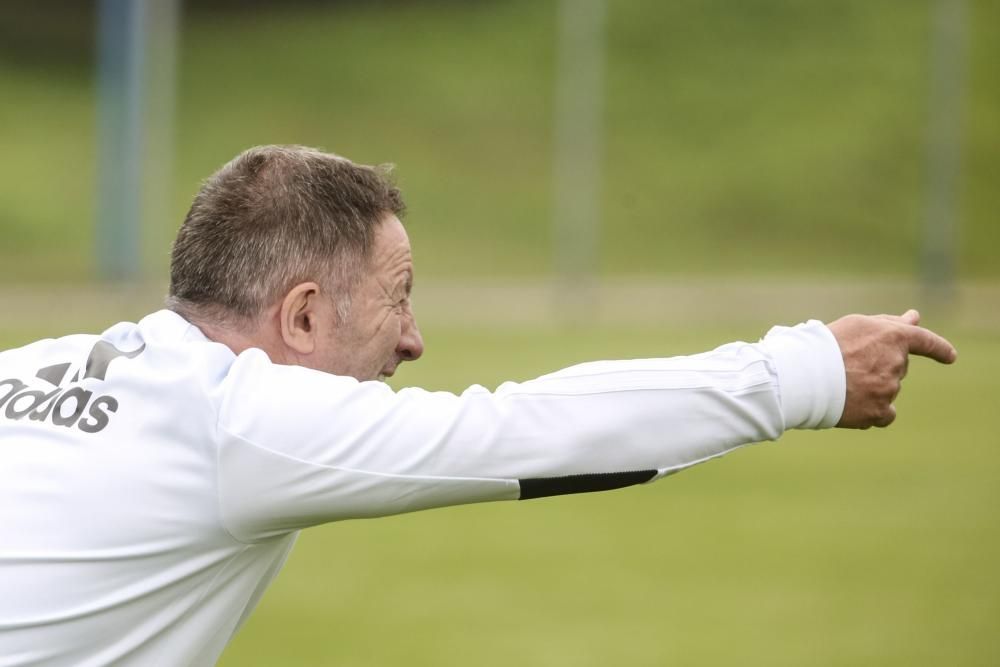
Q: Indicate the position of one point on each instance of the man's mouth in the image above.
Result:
(389, 370)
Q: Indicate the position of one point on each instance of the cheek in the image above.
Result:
(392, 331)
(381, 347)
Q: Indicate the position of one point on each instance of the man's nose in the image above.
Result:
(411, 343)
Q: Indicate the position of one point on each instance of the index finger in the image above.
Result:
(926, 343)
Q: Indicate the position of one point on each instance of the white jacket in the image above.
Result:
(152, 482)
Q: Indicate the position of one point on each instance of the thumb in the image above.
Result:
(911, 317)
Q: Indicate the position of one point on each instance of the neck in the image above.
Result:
(241, 336)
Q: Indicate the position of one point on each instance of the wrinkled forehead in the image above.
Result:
(391, 254)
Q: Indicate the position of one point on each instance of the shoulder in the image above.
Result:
(162, 349)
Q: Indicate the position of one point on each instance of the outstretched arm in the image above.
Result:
(298, 447)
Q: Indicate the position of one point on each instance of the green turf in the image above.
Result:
(771, 136)
(832, 548)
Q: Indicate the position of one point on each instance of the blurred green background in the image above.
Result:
(768, 136)
(764, 143)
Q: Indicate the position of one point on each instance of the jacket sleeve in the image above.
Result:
(298, 447)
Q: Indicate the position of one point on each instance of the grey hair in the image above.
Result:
(271, 218)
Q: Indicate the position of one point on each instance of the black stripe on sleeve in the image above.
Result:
(559, 486)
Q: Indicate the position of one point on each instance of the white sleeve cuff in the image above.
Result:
(812, 384)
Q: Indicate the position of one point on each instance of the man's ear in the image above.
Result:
(298, 317)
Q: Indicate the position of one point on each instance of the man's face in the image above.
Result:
(380, 332)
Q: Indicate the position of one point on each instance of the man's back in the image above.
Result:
(112, 546)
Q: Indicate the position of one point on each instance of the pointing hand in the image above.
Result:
(876, 351)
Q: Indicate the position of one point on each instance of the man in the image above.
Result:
(153, 479)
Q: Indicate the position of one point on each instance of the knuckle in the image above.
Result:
(887, 417)
(887, 388)
(900, 363)
(880, 413)
(899, 339)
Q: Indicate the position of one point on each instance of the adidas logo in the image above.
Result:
(71, 406)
